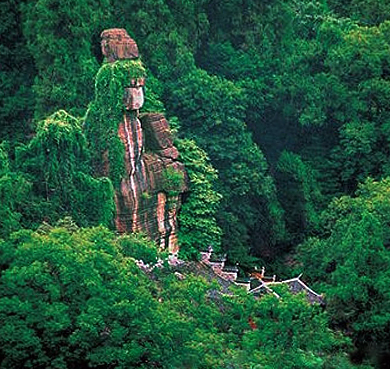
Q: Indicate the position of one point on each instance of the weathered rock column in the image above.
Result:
(149, 196)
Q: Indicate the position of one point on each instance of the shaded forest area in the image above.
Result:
(281, 112)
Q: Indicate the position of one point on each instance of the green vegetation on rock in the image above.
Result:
(106, 113)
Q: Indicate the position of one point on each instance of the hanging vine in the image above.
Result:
(105, 114)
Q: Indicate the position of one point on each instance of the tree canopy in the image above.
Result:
(73, 297)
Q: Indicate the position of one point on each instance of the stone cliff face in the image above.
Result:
(149, 196)
(145, 201)
(118, 45)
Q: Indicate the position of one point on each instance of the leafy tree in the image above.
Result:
(14, 191)
(197, 218)
(139, 247)
(164, 29)
(372, 12)
(351, 262)
(60, 38)
(17, 72)
(73, 300)
(55, 161)
(73, 297)
(360, 62)
(309, 345)
(213, 116)
(289, 331)
(308, 194)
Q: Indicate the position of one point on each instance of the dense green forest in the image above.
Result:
(281, 114)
